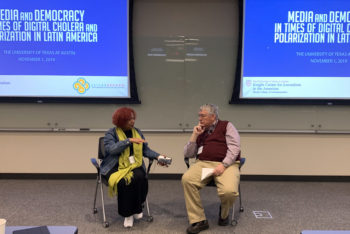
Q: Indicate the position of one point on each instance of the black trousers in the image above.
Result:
(132, 196)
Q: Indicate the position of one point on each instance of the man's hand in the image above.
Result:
(219, 169)
(137, 140)
(198, 129)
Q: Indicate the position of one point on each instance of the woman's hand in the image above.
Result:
(137, 140)
(162, 162)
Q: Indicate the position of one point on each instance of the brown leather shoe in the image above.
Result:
(198, 227)
(222, 222)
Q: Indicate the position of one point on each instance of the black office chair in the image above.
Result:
(234, 221)
(102, 180)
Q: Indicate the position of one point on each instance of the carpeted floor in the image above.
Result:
(280, 207)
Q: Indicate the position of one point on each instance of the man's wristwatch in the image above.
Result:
(225, 164)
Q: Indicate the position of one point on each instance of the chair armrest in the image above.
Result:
(241, 162)
(150, 162)
(95, 163)
(187, 161)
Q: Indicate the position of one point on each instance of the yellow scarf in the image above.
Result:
(125, 167)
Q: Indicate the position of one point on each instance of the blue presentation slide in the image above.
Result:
(64, 48)
(297, 49)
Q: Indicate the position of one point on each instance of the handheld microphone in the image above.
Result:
(164, 160)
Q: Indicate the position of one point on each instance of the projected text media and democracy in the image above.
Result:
(42, 15)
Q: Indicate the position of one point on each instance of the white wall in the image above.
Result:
(171, 94)
(267, 154)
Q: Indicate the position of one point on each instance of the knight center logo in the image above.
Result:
(81, 85)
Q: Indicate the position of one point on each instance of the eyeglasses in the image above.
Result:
(203, 115)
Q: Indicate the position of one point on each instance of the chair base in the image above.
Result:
(149, 219)
(105, 223)
(234, 222)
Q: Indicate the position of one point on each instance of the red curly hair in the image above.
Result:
(122, 115)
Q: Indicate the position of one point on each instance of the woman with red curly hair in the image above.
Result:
(123, 164)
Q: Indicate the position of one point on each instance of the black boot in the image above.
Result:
(198, 227)
(222, 222)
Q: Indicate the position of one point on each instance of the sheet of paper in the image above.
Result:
(207, 172)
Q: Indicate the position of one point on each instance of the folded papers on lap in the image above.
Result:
(207, 172)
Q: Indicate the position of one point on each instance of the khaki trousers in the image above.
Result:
(227, 188)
